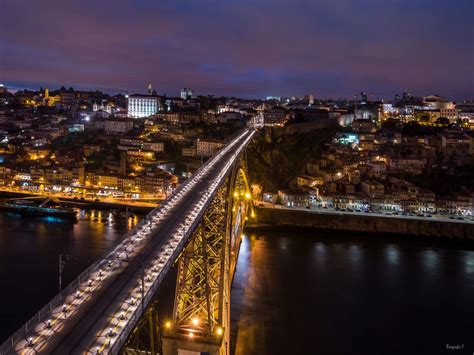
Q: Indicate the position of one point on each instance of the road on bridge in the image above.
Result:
(98, 313)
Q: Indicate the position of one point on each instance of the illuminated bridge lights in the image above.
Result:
(85, 290)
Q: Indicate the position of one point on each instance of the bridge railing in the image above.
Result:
(59, 299)
(137, 313)
(35, 320)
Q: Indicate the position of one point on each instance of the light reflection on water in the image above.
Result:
(336, 293)
(355, 254)
(320, 248)
(468, 259)
(392, 254)
(284, 243)
(430, 260)
(29, 250)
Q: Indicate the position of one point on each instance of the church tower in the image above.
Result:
(46, 97)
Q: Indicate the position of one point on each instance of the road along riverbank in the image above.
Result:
(105, 204)
(363, 223)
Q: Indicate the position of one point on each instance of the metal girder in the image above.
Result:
(199, 286)
(145, 339)
(202, 298)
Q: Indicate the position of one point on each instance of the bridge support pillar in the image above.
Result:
(201, 316)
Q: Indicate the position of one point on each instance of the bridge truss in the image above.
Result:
(201, 315)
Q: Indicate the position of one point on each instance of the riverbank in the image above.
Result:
(363, 223)
(106, 204)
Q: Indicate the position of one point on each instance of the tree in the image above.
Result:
(443, 121)
(424, 118)
(390, 125)
(412, 128)
(204, 102)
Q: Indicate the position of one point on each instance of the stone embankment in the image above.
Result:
(363, 223)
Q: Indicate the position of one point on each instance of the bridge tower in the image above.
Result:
(201, 315)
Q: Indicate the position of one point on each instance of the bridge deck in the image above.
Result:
(98, 315)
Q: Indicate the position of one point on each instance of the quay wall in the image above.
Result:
(363, 223)
(84, 204)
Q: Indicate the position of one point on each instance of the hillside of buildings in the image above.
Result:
(387, 166)
(407, 155)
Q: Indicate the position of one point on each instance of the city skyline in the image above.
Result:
(247, 50)
(144, 92)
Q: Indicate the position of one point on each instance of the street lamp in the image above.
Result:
(62, 262)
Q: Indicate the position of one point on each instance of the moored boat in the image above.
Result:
(29, 208)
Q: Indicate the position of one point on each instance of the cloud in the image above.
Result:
(243, 48)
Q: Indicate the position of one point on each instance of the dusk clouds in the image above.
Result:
(249, 48)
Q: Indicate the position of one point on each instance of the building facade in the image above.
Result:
(141, 106)
(206, 148)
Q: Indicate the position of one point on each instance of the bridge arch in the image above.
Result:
(201, 315)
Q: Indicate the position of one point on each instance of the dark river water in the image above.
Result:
(314, 292)
(295, 291)
(29, 252)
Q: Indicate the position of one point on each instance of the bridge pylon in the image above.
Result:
(201, 315)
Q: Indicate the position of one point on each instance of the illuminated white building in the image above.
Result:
(186, 94)
(141, 106)
(438, 102)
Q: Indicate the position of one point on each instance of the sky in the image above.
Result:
(245, 48)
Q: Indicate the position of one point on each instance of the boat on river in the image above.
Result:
(31, 207)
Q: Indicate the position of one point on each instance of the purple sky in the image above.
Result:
(247, 48)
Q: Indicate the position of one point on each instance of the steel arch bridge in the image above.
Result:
(206, 266)
(106, 309)
(201, 314)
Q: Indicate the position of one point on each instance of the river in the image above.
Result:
(295, 291)
(301, 291)
(29, 253)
